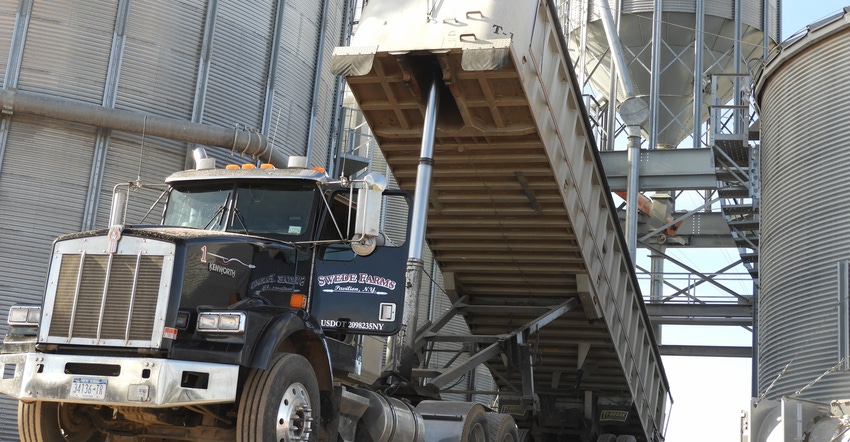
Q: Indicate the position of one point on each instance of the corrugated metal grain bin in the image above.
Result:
(217, 62)
(804, 99)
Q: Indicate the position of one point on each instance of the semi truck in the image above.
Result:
(246, 310)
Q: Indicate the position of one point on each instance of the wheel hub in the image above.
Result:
(295, 415)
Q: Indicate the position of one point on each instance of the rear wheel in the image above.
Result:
(55, 422)
(525, 435)
(280, 403)
(502, 428)
(475, 426)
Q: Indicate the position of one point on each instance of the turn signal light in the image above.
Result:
(298, 300)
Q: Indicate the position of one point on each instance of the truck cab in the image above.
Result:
(223, 311)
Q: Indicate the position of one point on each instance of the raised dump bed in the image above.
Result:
(521, 220)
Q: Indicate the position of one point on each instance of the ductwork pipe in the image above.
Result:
(13, 101)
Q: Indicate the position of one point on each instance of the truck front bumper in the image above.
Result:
(138, 382)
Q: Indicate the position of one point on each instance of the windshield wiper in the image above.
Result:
(216, 217)
(241, 219)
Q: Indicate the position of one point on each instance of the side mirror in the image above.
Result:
(368, 222)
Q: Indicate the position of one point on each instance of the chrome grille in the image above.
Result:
(108, 299)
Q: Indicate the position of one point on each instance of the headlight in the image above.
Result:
(221, 322)
(24, 315)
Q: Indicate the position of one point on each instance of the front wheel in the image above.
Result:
(55, 422)
(280, 403)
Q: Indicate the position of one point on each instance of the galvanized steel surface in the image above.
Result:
(675, 71)
(804, 99)
(198, 60)
(519, 217)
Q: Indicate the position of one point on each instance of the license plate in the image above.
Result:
(88, 388)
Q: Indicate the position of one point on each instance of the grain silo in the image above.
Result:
(671, 48)
(802, 94)
(224, 63)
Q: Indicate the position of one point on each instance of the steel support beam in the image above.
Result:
(495, 349)
(662, 169)
(707, 351)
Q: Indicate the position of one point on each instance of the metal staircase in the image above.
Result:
(734, 143)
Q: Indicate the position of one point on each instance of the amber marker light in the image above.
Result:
(298, 300)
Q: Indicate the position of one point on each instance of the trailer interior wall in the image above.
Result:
(209, 61)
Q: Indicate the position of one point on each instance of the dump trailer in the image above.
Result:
(520, 219)
(246, 310)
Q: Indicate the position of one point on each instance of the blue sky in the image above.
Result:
(710, 393)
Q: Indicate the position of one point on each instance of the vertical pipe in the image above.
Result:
(765, 26)
(317, 80)
(204, 65)
(699, 42)
(13, 66)
(738, 114)
(655, 69)
(582, 58)
(616, 50)
(611, 124)
(656, 288)
(403, 359)
(632, 190)
(271, 74)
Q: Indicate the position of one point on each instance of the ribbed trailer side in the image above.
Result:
(521, 221)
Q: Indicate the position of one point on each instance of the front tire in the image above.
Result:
(280, 403)
(55, 422)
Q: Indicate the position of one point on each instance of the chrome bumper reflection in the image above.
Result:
(139, 382)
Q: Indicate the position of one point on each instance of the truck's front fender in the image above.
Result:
(295, 334)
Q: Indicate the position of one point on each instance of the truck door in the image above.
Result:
(361, 294)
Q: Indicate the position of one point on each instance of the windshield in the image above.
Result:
(197, 207)
(277, 208)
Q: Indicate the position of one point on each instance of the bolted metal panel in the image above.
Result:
(53, 178)
(42, 187)
(239, 64)
(42, 177)
(329, 84)
(67, 48)
(129, 157)
(721, 8)
(803, 102)
(161, 56)
(290, 119)
(8, 12)
(752, 14)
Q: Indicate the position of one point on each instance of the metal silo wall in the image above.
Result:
(805, 152)
(674, 113)
(160, 57)
(293, 104)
